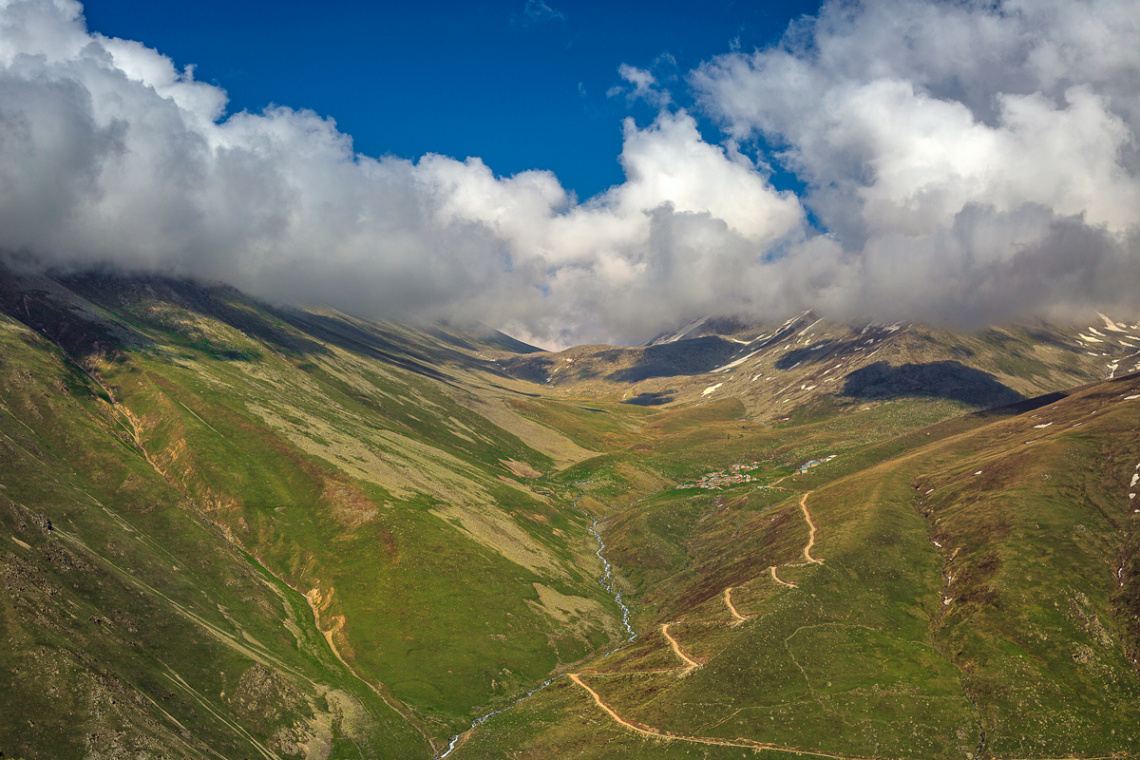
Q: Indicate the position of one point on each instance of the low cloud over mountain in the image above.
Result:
(961, 161)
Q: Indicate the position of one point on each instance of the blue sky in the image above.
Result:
(522, 85)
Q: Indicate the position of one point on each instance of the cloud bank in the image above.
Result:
(966, 162)
(974, 161)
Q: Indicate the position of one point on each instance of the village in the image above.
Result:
(739, 473)
(736, 474)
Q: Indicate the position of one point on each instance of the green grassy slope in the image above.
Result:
(131, 625)
(362, 480)
(975, 598)
(230, 530)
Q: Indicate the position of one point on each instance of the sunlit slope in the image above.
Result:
(357, 462)
(353, 537)
(131, 626)
(965, 590)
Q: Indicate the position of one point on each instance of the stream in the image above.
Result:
(606, 582)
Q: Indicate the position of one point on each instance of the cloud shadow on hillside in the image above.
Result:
(658, 398)
(75, 331)
(683, 357)
(944, 379)
(813, 352)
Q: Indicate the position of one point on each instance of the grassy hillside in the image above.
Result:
(344, 468)
(963, 590)
(235, 530)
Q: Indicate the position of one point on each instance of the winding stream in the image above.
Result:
(484, 718)
(606, 582)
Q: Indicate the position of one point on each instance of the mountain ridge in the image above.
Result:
(352, 538)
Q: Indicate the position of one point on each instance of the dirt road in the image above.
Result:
(692, 664)
(732, 608)
(653, 733)
(811, 534)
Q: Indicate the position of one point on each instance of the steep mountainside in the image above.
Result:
(234, 530)
(181, 438)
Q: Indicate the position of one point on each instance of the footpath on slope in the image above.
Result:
(777, 578)
(653, 733)
(689, 661)
(691, 665)
(732, 607)
(811, 529)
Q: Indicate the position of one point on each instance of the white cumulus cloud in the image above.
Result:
(965, 162)
(970, 158)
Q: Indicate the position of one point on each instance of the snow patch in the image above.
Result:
(1109, 324)
(710, 389)
(813, 324)
(736, 363)
(682, 333)
(1045, 425)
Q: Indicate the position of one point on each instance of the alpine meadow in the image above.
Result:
(813, 432)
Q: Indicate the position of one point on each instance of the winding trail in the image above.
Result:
(653, 733)
(635, 727)
(607, 582)
(811, 528)
(776, 578)
(732, 608)
(691, 665)
(689, 661)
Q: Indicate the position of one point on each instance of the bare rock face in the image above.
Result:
(269, 704)
(27, 522)
(264, 696)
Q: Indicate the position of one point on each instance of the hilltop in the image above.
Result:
(810, 361)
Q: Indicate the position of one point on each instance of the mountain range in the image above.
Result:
(230, 529)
